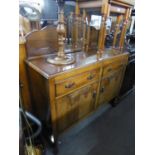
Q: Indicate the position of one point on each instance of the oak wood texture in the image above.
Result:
(88, 33)
(123, 32)
(39, 94)
(93, 38)
(25, 91)
(84, 26)
(66, 85)
(42, 42)
(77, 20)
(75, 106)
(117, 9)
(110, 85)
(111, 67)
(129, 3)
(105, 12)
(74, 91)
(98, 3)
(117, 28)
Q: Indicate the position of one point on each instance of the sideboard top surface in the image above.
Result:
(82, 59)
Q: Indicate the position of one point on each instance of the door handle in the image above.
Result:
(91, 76)
(70, 85)
(102, 90)
(109, 69)
(94, 94)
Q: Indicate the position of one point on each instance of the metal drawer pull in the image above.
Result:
(69, 85)
(109, 69)
(102, 90)
(121, 65)
(94, 94)
(90, 77)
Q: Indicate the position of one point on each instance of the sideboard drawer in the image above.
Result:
(108, 69)
(67, 85)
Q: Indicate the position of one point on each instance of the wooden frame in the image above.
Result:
(119, 7)
(25, 90)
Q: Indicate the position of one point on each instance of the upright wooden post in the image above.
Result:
(77, 14)
(105, 12)
(116, 30)
(88, 33)
(126, 17)
(84, 29)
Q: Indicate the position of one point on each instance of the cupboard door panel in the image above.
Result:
(118, 81)
(110, 68)
(67, 112)
(110, 86)
(87, 100)
(75, 106)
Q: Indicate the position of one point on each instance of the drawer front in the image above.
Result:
(67, 85)
(112, 67)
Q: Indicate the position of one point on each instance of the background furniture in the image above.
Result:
(129, 77)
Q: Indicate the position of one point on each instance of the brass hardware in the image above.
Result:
(21, 85)
(70, 85)
(61, 58)
(120, 65)
(94, 94)
(109, 69)
(84, 29)
(112, 76)
(33, 150)
(116, 78)
(102, 90)
(91, 76)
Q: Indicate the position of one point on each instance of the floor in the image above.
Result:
(110, 132)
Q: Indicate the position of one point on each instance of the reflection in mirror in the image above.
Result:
(39, 13)
(96, 21)
(114, 31)
(74, 31)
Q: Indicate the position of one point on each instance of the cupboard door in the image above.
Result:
(118, 81)
(75, 106)
(87, 99)
(110, 86)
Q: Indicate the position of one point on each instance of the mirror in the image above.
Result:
(38, 14)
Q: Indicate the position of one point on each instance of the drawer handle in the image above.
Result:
(69, 85)
(121, 65)
(102, 90)
(109, 69)
(90, 77)
(94, 94)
